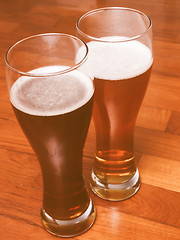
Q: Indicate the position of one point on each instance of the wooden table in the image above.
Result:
(154, 212)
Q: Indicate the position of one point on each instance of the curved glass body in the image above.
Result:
(120, 58)
(52, 100)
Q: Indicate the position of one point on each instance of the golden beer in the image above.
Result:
(122, 71)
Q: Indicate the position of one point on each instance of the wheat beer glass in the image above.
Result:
(52, 100)
(120, 56)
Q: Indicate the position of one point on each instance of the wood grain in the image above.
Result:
(154, 212)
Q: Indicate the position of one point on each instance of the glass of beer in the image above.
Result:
(120, 57)
(52, 97)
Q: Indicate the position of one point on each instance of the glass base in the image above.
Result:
(115, 192)
(72, 227)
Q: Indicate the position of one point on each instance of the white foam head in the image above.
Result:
(52, 95)
(118, 60)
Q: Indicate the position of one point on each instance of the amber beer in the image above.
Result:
(54, 113)
(112, 98)
(122, 71)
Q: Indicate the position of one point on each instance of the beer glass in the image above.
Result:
(52, 99)
(120, 56)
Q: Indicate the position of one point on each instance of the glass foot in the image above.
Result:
(115, 192)
(72, 227)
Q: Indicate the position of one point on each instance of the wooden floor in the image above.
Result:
(154, 212)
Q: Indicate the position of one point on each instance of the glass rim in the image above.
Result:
(30, 74)
(113, 8)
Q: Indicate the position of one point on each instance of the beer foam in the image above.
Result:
(52, 95)
(113, 60)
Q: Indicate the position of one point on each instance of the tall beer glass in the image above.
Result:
(52, 99)
(120, 56)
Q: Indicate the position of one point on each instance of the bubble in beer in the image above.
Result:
(51, 95)
(112, 58)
